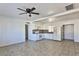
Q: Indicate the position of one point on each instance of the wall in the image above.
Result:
(11, 31)
(69, 19)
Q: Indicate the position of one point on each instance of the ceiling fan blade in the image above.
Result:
(33, 8)
(22, 13)
(35, 13)
(21, 9)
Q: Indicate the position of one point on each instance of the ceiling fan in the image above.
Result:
(28, 11)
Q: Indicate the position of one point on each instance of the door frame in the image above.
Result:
(63, 31)
(26, 32)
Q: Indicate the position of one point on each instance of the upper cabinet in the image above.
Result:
(43, 28)
(50, 28)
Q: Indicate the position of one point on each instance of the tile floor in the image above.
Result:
(42, 48)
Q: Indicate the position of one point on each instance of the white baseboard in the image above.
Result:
(4, 45)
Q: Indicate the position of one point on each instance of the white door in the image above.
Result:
(69, 32)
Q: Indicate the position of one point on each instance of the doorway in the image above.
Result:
(26, 32)
(68, 32)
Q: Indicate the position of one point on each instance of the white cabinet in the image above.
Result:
(48, 36)
(57, 34)
(51, 36)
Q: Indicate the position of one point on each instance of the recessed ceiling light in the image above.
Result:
(51, 19)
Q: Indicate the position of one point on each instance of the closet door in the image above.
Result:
(69, 32)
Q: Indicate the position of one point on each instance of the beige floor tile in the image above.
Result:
(42, 48)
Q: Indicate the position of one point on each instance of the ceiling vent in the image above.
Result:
(69, 7)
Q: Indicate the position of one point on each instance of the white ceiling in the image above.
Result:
(45, 9)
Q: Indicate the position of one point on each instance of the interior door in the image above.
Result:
(26, 32)
(69, 31)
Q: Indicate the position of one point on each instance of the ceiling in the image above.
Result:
(45, 9)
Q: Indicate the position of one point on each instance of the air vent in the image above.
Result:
(69, 7)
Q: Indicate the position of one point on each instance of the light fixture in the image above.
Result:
(51, 19)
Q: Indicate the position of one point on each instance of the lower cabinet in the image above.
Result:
(48, 36)
(44, 36)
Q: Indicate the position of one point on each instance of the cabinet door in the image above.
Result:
(51, 36)
(55, 33)
(46, 36)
